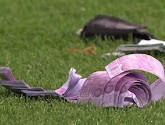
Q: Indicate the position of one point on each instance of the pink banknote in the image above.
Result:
(119, 85)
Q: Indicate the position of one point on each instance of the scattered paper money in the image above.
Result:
(118, 86)
(143, 46)
(113, 54)
(151, 42)
(129, 48)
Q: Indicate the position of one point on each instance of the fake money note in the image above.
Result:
(118, 86)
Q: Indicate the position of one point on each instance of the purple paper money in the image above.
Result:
(118, 86)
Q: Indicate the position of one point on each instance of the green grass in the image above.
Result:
(33, 36)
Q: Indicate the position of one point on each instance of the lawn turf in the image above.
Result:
(33, 36)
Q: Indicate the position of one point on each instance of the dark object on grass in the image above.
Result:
(20, 87)
(114, 28)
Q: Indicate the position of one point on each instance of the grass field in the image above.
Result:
(33, 36)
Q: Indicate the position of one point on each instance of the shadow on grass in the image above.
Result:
(48, 98)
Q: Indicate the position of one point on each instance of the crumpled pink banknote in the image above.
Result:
(118, 86)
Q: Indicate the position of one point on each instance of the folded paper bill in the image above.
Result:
(143, 46)
(129, 48)
(118, 86)
(151, 42)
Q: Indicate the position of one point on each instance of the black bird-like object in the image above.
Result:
(114, 28)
